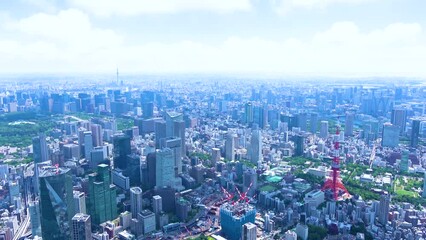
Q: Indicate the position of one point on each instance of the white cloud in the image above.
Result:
(135, 7)
(67, 42)
(284, 6)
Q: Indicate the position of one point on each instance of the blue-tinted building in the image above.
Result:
(390, 135)
(233, 217)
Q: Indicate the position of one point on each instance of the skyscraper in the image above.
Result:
(383, 214)
(160, 132)
(250, 181)
(314, 122)
(179, 132)
(40, 150)
(256, 146)
(81, 227)
(122, 148)
(79, 202)
(249, 231)
(230, 147)
(299, 141)
(34, 209)
(215, 156)
(96, 135)
(248, 113)
(88, 144)
(157, 204)
(390, 135)
(56, 203)
(101, 199)
(399, 118)
(302, 121)
(349, 124)
(174, 143)
(415, 130)
(165, 168)
(135, 201)
(324, 129)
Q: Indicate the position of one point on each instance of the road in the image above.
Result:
(23, 227)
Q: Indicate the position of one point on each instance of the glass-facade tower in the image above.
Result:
(56, 203)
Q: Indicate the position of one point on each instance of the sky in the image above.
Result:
(343, 38)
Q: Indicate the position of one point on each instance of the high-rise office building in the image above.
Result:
(79, 202)
(96, 135)
(56, 203)
(390, 135)
(122, 148)
(233, 217)
(71, 151)
(165, 168)
(299, 141)
(135, 201)
(215, 156)
(174, 143)
(149, 171)
(383, 214)
(179, 132)
(88, 144)
(260, 116)
(256, 146)
(399, 118)
(160, 132)
(157, 204)
(147, 219)
(101, 199)
(230, 147)
(98, 155)
(81, 227)
(249, 231)
(148, 110)
(34, 209)
(313, 122)
(415, 131)
(170, 118)
(324, 129)
(349, 124)
(40, 149)
(248, 113)
(250, 181)
(302, 121)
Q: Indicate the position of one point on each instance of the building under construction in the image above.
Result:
(233, 216)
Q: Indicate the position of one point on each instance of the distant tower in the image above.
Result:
(334, 183)
(117, 77)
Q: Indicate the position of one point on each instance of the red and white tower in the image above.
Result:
(334, 182)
